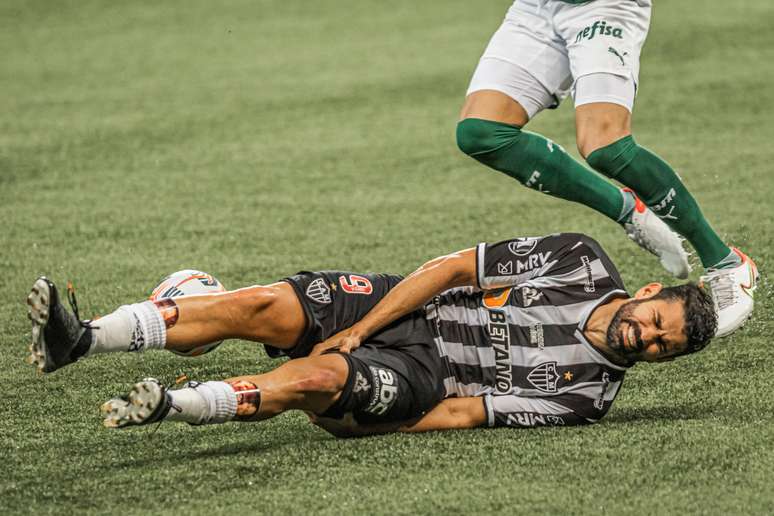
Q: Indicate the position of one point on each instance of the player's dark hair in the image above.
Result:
(701, 320)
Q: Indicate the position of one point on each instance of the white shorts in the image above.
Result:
(545, 48)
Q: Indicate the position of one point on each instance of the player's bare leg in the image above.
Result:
(310, 384)
(495, 106)
(599, 124)
(270, 314)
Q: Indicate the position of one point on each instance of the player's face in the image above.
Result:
(648, 329)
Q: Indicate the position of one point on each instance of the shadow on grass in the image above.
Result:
(167, 449)
(206, 446)
(660, 413)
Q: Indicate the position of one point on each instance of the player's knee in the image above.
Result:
(251, 304)
(476, 137)
(611, 158)
(321, 380)
(604, 134)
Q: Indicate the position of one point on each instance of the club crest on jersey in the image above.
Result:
(522, 246)
(319, 292)
(544, 377)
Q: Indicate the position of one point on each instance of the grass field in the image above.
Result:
(252, 139)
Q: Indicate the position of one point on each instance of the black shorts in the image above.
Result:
(396, 374)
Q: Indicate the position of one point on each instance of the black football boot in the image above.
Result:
(58, 337)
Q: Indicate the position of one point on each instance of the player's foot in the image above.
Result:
(732, 291)
(147, 402)
(653, 235)
(58, 337)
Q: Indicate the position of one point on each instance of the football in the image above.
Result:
(186, 283)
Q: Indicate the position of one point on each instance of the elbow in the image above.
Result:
(459, 268)
(464, 273)
(463, 416)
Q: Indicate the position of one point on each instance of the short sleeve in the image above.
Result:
(520, 411)
(512, 262)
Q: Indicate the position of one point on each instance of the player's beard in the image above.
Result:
(614, 337)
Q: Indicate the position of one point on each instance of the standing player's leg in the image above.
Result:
(270, 314)
(604, 42)
(490, 131)
(524, 70)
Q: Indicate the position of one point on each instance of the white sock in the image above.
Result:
(203, 403)
(134, 327)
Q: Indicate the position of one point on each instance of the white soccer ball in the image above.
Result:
(186, 283)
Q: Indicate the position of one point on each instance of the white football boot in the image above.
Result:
(653, 235)
(732, 291)
(147, 402)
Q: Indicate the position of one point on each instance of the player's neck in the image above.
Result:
(597, 325)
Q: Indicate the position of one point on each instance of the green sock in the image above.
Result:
(660, 188)
(538, 163)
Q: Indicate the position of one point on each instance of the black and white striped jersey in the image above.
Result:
(517, 339)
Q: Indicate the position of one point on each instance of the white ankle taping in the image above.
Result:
(151, 322)
(134, 327)
(203, 403)
(222, 401)
(113, 332)
(189, 406)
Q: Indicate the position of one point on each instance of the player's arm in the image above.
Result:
(451, 413)
(417, 289)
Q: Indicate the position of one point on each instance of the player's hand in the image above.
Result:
(345, 341)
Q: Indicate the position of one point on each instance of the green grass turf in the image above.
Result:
(253, 139)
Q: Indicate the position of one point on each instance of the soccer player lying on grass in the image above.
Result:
(525, 332)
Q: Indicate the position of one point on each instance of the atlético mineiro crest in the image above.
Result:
(318, 291)
(544, 377)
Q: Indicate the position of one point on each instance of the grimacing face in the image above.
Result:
(648, 330)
